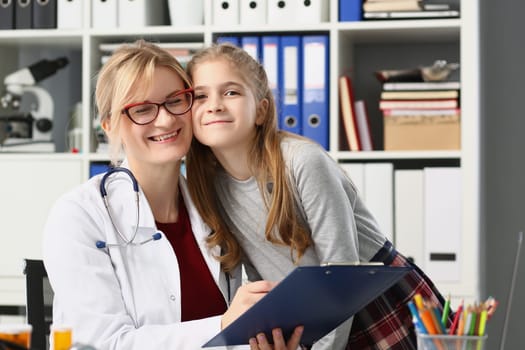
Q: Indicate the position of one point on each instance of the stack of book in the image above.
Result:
(421, 115)
(402, 9)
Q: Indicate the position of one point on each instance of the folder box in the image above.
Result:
(226, 12)
(311, 12)
(23, 14)
(421, 132)
(7, 14)
(281, 12)
(186, 12)
(69, 14)
(253, 12)
(140, 13)
(104, 13)
(350, 10)
(44, 14)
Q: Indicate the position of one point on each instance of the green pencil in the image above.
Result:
(446, 310)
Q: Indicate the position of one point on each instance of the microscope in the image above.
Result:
(28, 130)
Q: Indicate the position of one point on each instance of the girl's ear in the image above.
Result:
(262, 109)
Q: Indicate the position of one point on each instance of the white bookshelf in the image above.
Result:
(352, 44)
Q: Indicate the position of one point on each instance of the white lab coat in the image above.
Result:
(124, 297)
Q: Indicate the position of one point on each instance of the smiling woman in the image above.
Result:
(113, 290)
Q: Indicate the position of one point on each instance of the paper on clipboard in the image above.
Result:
(318, 297)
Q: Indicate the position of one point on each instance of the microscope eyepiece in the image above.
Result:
(45, 68)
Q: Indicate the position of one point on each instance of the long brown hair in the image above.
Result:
(266, 163)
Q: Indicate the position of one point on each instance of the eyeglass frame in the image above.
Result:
(125, 109)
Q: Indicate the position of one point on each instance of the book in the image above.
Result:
(329, 295)
(427, 85)
(363, 125)
(397, 5)
(419, 95)
(418, 104)
(346, 100)
(410, 14)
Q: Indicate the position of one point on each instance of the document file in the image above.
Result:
(315, 89)
(281, 11)
(104, 13)
(7, 14)
(318, 297)
(231, 39)
(252, 45)
(69, 14)
(270, 57)
(379, 195)
(311, 12)
(24, 14)
(186, 12)
(350, 10)
(140, 13)
(408, 209)
(253, 12)
(226, 12)
(44, 14)
(442, 223)
(291, 117)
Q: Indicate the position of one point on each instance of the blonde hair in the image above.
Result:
(128, 76)
(267, 163)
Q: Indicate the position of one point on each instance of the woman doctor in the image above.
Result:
(136, 272)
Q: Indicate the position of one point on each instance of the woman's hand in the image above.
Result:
(261, 343)
(244, 298)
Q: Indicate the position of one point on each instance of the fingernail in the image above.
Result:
(261, 337)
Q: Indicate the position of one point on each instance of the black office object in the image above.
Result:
(7, 14)
(318, 297)
(23, 14)
(44, 14)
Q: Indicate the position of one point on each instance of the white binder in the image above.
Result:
(69, 14)
(443, 223)
(186, 12)
(140, 13)
(408, 209)
(311, 12)
(379, 195)
(253, 12)
(226, 12)
(104, 13)
(356, 173)
(282, 12)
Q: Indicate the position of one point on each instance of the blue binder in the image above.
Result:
(290, 84)
(234, 40)
(270, 59)
(318, 297)
(315, 91)
(252, 45)
(350, 10)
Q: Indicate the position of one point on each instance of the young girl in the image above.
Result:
(282, 201)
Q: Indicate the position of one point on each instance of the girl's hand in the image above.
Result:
(244, 298)
(261, 343)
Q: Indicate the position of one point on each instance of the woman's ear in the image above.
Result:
(262, 109)
(105, 123)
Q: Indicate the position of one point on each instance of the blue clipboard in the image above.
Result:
(318, 297)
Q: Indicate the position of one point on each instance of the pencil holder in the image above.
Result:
(450, 342)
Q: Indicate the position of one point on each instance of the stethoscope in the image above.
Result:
(104, 194)
(126, 241)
